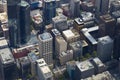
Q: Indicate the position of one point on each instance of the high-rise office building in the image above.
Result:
(109, 25)
(115, 5)
(12, 5)
(116, 49)
(19, 22)
(105, 48)
(14, 35)
(75, 8)
(49, 11)
(101, 7)
(24, 21)
(46, 47)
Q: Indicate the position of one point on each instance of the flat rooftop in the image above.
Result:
(79, 21)
(6, 56)
(85, 65)
(32, 57)
(98, 62)
(59, 18)
(45, 36)
(3, 42)
(68, 33)
(4, 17)
(88, 36)
(41, 62)
(105, 40)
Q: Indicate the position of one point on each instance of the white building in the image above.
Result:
(46, 47)
(43, 71)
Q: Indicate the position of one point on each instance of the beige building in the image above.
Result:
(60, 45)
(71, 35)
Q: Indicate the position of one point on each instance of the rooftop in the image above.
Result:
(84, 43)
(76, 45)
(88, 36)
(85, 65)
(45, 36)
(4, 17)
(6, 56)
(87, 16)
(102, 76)
(68, 52)
(95, 28)
(46, 71)
(3, 42)
(107, 18)
(68, 33)
(41, 62)
(59, 18)
(56, 32)
(24, 61)
(79, 21)
(32, 57)
(24, 3)
(98, 61)
(48, 0)
(105, 40)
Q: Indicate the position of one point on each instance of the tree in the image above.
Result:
(87, 56)
(94, 54)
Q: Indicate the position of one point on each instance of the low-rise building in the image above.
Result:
(65, 56)
(83, 70)
(43, 71)
(71, 35)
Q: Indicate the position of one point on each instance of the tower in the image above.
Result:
(49, 11)
(101, 7)
(75, 8)
(24, 21)
(46, 47)
(105, 48)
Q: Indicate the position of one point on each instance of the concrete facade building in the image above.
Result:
(77, 49)
(78, 24)
(101, 7)
(49, 11)
(75, 8)
(71, 35)
(83, 69)
(99, 66)
(65, 56)
(43, 71)
(32, 57)
(46, 47)
(60, 22)
(109, 25)
(60, 45)
(7, 62)
(105, 48)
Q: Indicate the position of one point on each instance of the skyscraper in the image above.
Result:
(101, 6)
(14, 39)
(19, 22)
(12, 5)
(14, 34)
(49, 11)
(116, 49)
(24, 21)
(105, 48)
(46, 47)
(75, 8)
